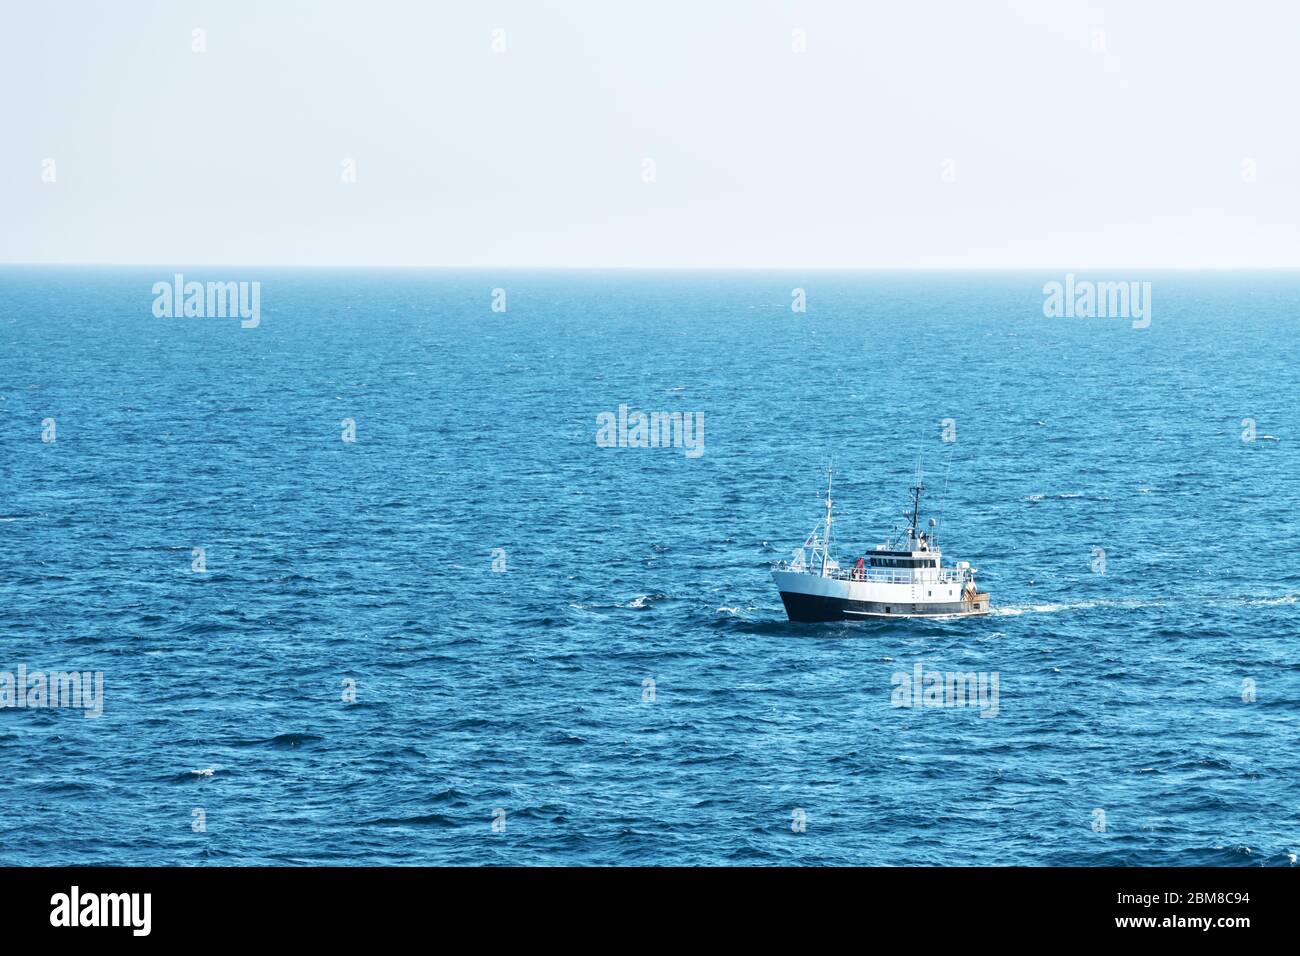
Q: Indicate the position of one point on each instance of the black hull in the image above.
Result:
(816, 607)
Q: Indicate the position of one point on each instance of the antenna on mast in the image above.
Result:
(915, 514)
(826, 536)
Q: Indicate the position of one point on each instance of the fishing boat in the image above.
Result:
(903, 577)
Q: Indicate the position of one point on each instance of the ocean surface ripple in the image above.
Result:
(627, 689)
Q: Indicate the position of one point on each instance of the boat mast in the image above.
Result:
(826, 535)
(915, 515)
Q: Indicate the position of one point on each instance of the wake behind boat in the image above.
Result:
(904, 577)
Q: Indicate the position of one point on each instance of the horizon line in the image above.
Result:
(648, 268)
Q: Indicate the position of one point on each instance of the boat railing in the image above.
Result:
(880, 576)
(883, 576)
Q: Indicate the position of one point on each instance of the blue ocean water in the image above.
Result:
(522, 697)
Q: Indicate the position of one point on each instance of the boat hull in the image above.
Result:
(809, 597)
(821, 607)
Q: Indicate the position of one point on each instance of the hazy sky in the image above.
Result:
(1068, 148)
